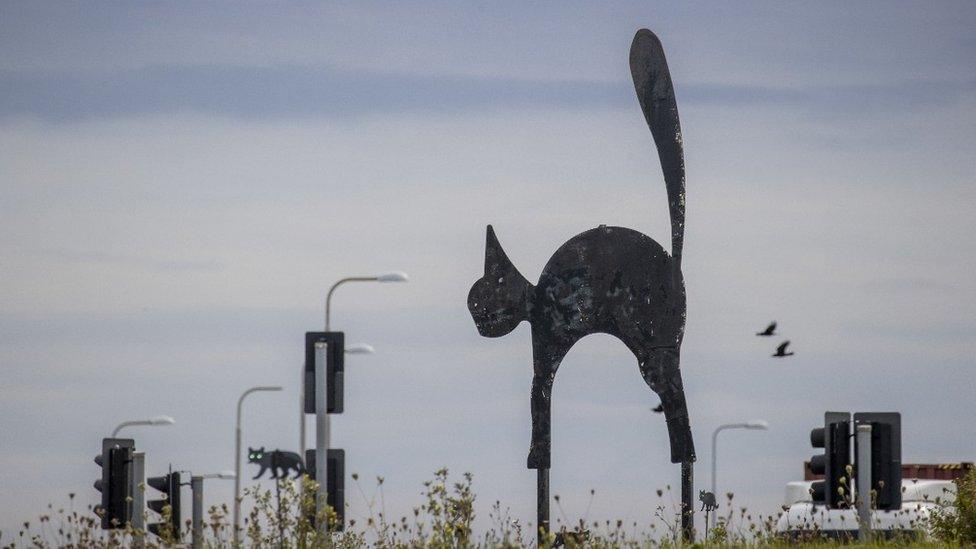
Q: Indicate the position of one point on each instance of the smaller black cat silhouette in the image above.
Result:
(276, 461)
(708, 501)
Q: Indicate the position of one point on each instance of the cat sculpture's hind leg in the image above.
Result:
(546, 358)
(659, 368)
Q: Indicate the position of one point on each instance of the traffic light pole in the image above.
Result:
(196, 487)
(864, 481)
(321, 436)
(138, 495)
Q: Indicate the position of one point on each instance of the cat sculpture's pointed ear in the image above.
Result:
(492, 250)
(496, 261)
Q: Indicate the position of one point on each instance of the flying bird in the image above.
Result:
(781, 350)
(769, 331)
(658, 409)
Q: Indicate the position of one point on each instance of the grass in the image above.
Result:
(444, 518)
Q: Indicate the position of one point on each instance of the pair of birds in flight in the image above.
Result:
(771, 331)
(768, 332)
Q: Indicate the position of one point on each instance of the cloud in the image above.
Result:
(293, 92)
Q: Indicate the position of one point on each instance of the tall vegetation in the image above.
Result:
(957, 523)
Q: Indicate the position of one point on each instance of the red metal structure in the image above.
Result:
(920, 471)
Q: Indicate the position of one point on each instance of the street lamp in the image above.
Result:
(392, 276)
(154, 421)
(237, 459)
(756, 424)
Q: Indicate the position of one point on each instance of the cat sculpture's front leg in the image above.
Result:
(547, 355)
(261, 472)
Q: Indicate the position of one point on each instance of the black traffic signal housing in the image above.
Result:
(310, 472)
(169, 485)
(336, 496)
(334, 370)
(885, 457)
(834, 438)
(116, 482)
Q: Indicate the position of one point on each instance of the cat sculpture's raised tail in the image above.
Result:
(655, 92)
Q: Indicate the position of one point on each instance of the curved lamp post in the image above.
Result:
(154, 421)
(237, 459)
(756, 424)
(392, 276)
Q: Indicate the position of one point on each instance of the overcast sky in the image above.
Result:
(180, 184)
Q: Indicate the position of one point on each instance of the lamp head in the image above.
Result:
(161, 420)
(760, 424)
(360, 349)
(393, 276)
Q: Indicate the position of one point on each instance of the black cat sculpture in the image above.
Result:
(277, 461)
(606, 280)
(707, 500)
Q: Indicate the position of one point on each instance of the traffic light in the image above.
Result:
(115, 484)
(310, 471)
(169, 485)
(834, 438)
(334, 368)
(336, 496)
(885, 457)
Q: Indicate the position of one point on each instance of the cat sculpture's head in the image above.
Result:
(254, 455)
(499, 300)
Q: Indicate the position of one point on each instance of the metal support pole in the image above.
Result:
(709, 517)
(715, 459)
(864, 481)
(237, 479)
(138, 495)
(301, 413)
(321, 437)
(687, 501)
(542, 505)
(196, 486)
